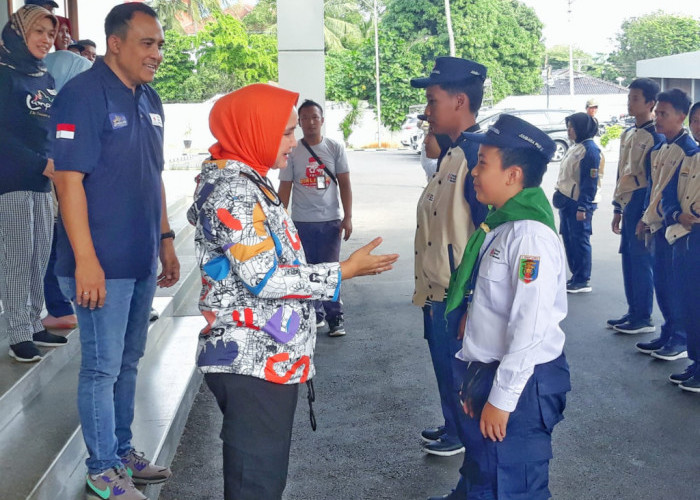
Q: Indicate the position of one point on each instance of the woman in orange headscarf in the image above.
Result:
(257, 288)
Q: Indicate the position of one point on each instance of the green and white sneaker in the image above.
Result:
(142, 471)
(112, 484)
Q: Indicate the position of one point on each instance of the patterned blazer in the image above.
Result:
(256, 285)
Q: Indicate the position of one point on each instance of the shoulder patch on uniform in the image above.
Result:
(594, 173)
(529, 268)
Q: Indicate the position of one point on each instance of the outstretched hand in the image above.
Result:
(361, 262)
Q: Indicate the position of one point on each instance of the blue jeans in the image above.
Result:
(637, 273)
(443, 346)
(576, 236)
(321, 242)
(667, 293)
(112, 339)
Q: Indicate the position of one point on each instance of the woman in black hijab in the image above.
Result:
(575, 198)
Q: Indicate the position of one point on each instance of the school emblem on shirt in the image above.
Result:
(529, 268)
(594, 173)
(118, 120)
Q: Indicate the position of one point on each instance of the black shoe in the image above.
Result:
(47, 339)
(670, 353)
(443, 448)
(579, 288)
(611, 323)
(690, 371)
(692, 384)
(651, 346)
(336, 327)
(153, 315)
(432, 433)
(25, 352)
(635, 327)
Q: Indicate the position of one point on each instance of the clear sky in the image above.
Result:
(595, 22)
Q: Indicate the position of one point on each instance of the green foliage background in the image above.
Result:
(504, 35)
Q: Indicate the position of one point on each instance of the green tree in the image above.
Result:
(503, 35)
(263, 18)
(344, 25)
(654, 35)
(167, 11)
(177, 66)
(350, 75)
(198, 10)
(225, 44)
(558, 58)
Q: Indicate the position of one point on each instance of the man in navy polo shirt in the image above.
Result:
(109, 158)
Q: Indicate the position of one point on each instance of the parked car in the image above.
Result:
(550, 121)
(412, 133)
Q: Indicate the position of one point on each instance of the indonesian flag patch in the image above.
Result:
(65, 131)
(529, 268)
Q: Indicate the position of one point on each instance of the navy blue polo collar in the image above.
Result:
(111, 79)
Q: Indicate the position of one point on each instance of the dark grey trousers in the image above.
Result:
(257, 433)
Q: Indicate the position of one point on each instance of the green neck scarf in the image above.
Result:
(528, 204)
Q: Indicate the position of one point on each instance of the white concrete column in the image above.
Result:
(300, 46)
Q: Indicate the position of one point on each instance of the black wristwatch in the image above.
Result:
(169, 234)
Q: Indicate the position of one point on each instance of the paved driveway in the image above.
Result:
(628, 433)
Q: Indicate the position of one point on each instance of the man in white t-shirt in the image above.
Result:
(318, 171)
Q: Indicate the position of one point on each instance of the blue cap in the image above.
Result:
(512, 132)
(451, 70)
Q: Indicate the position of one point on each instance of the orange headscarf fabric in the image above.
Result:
(249, 123)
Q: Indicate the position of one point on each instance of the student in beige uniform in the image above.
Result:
(628, 201)
(671, 109)
(447, 214)
(681, 206)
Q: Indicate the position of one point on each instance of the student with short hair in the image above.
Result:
(666, 158)
(447, 214)
(681, 206)
(510, 293)
(636, 144)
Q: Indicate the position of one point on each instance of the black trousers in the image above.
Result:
(256, 434)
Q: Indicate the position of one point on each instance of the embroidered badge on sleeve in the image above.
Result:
(529, 268)
(65, 131)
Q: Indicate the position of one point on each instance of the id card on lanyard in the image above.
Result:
(321, 181)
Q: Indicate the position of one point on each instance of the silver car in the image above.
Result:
(550, 121)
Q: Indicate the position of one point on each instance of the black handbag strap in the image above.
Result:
(318, 160)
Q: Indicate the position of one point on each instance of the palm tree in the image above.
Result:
(169, 10)
(340, 23)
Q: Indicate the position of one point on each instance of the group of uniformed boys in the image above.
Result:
(490, 269)
(657, 212)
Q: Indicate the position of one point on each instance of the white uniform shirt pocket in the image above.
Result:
(493, 283)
